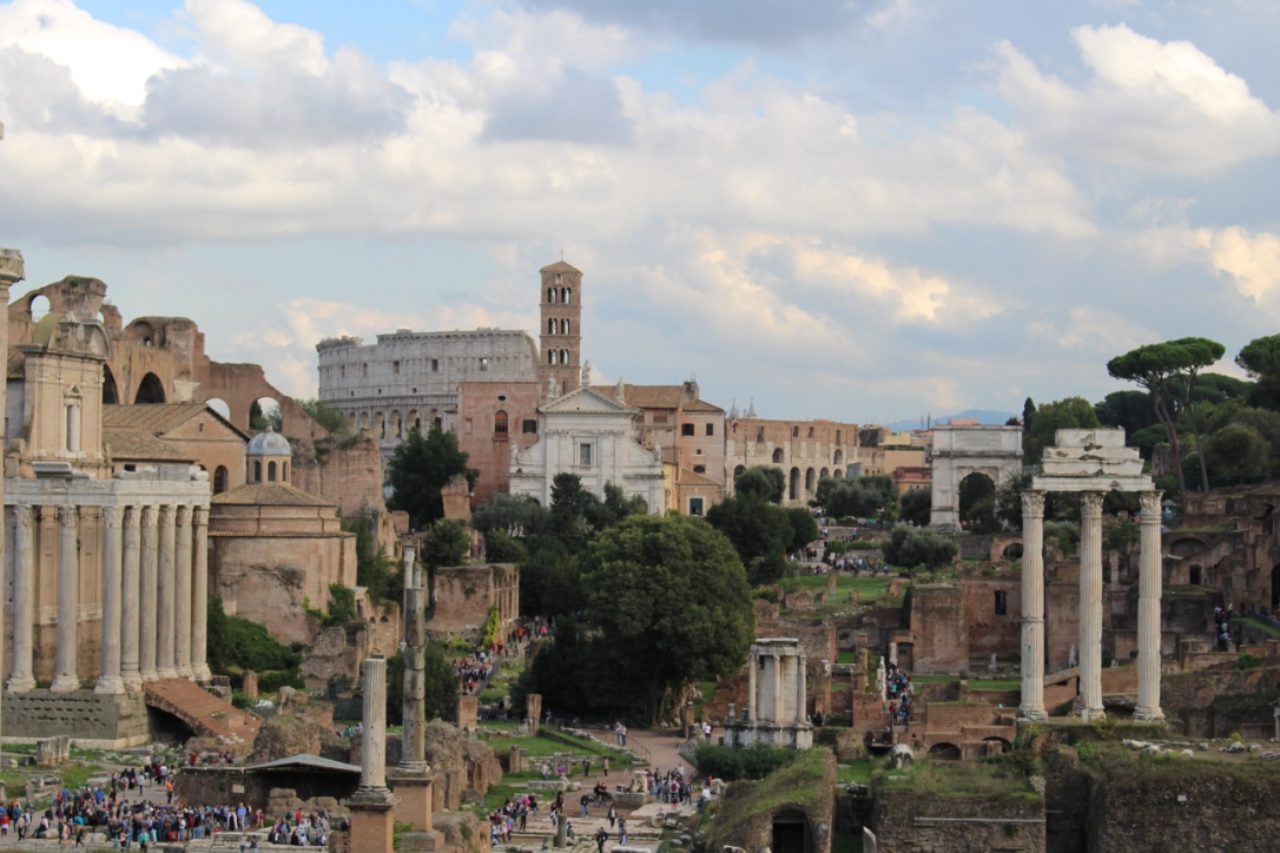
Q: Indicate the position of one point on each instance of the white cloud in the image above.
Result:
(1151, 105)
(1252, 261)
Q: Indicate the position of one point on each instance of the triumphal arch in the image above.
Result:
(958, 451)
(1090, 462)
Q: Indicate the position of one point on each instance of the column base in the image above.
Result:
(372, 820)
(65, 684)
(109, 684)
(1091, 714)
(132, 680)
(21, 684)
(186, 672)
(1148, 715)
(150, 676)
(162, 674)
(201, 673)
(1033, 714)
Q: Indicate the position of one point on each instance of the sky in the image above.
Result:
(863, 211)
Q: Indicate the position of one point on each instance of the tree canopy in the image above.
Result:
(762, 481)
(1261, 358)
(856, 497)
(909, 547)
(419, 468)
(1068, 413)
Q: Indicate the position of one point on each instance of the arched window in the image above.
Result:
(566, 327)
(219, 479)
(271, 471)
(777, 455)
(566, 296)
(257, 472)
(551, 295)
(551, 326)
(839, 460)
(284, 472)
(551, 356)
(500, 423)
(564, 356)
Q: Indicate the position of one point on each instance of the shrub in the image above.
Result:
(861, 545)
(342, 605)
(731, 764)
(1248, 661)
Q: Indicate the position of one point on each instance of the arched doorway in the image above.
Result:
(944, 752)
(995, 451)
(150, 390)
(793, 493)
(110, 391)
(791, 832)
(978, 504)
(810, 481)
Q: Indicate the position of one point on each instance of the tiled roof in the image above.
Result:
(559, 266)
(136, 444)
(268, 494)
(656, 397)
(692, 478)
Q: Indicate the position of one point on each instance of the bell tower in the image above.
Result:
(561, 331)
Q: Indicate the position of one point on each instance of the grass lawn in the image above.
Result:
(869, 589)
(500, 686)
(854, 772)
(563, 744)
(846, 656)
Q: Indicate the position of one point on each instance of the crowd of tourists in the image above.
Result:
(671, 787)
(119, 811)
(474, 672)
(900, 696)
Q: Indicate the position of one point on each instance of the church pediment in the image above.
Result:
(584, 400)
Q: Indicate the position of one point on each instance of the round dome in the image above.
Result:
(269, 443)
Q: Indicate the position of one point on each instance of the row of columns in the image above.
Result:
(778, 664)
(155, 571)
(1090, 613)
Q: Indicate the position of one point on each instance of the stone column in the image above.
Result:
(12, 270)
(131, 594)
(66, 677)
(1150, 578)
(182, 593)
(371, 805)
(777, 689)
(109, 680)
(753, 664)
(200, 599)
(1032, 707)
(22, 677)
(1091, 606)
(373, 742)
(802, 687)
(150, 572)
(165, 603)
(413, 752)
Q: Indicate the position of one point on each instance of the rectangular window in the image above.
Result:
(695, 506)
(711, 429)
(686, 429)
(837, 436)
(1002, 602)
(364, 369)
(584, 455)
(484, 363)
(467, 426)
(530, 427)
(795, 432)
(395, 367)
(435, 365)
(659, 417)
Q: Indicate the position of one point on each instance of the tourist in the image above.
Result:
(602, 835)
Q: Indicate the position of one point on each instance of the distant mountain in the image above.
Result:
(982, 416)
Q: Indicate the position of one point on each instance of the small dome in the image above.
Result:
(269, 443)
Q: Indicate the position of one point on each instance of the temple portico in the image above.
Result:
(776, 698)
(1090, 463)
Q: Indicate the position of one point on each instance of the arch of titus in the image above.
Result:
(995, 451)
(1090, 462)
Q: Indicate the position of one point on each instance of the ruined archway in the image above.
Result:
(150, 390)
(978, 503)
(38, 307)
(995, 451)
(944, 752)
(110, 391)
(220, 406)
(810, 481)
(793, 493)
(266, 412)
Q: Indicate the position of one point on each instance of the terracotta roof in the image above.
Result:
(268, 494)
(656, 397)
(158, 418)
(559, 266)
(136, 444)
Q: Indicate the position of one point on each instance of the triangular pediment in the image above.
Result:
(585, 400)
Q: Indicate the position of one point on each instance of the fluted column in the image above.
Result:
(131, 595)
(802, 687)
(150, 585)
(1091, 606)
(373, 742)
(200, 598)
(165, 603)
(753, 664)
(109, 680)
(182, 594)
(22, 677)
(1150, 580)
(1032, 707)
(66, 678)
(777, 689)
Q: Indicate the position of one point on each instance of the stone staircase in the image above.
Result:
(209, 716)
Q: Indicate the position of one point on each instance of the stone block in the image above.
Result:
(53, 752)
(468, 711)
(250, 685)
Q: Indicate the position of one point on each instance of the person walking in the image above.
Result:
(602, 835)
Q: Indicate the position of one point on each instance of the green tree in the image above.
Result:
(860, 497)
(446, 543)
(916, 507)
(1168, 371)
(1130, 410)
(762, 481)
(1261, 358)
(549, 578)
(419, 468)
(671, 599)
(803, 528)
(1238, 453)
(517, 515)
(327, 416)
(1028, 415)
(1070, 413)
(374, 570)
(260, 420)
(501, 547)
(574, 510)
(978, 504)
(756, 527)
(908, 547)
